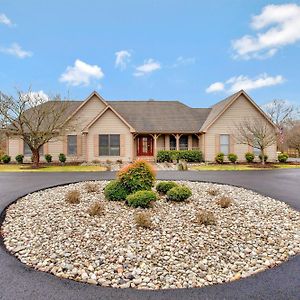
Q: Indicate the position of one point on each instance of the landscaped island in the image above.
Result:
(188, 234)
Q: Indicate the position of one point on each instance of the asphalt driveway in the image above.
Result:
(17, 281)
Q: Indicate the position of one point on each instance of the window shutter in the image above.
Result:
(21, 146)
(122, 144)
(65, 145)
(231, 141)
(217, 144)
(79, 145)
(96, 145)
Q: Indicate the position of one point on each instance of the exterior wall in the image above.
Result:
(160, 144)
(14, 147)
(109, 123)
(237, 112)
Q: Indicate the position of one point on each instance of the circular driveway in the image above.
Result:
(18, 281)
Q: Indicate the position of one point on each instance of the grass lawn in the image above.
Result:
(228, 167)
(27, 168)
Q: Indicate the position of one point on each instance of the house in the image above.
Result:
(125, 130)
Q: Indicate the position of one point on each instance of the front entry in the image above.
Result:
(145, 145)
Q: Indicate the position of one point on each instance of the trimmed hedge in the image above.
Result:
(261, 157)
(6, 159)
(283, 157)
(188, 155)
(220, 158)
(62, 157)
(48, 158)
(164, 186)
(179, 193)
(232, 157)
(19, 158)
(115, 191)
(249, 157)
(141, 199)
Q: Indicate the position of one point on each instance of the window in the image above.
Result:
(27, 151)
(172, 142)
(72, 144)
(109, 145)
(183, 142)
(224, 143)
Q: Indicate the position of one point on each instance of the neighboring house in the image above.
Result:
(125, 130)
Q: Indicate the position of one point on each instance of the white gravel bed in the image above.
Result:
(253, 234)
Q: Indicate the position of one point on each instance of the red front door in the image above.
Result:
(145, 146)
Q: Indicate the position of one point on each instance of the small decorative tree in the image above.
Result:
(294, 138)
(256, 133)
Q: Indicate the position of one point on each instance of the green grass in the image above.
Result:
(241, 167)
(27, 168)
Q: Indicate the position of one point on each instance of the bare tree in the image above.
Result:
(32, 118)
(294, 138)
(256, 133)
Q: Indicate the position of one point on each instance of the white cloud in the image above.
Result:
(35, 98)
(242, 82)
(16, 50)
(184, 61)
(215, 87)
(5, 20)
(282, 27)
(149, 66)
(122, 59)
(81, 74)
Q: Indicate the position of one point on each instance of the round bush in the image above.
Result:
(115, 191)
(19, 158)
(283, 157)
(261, 157)
(179, 193)
(6, 158)
(164, 186)
(232, 157)
(249, 157)
(137, 176)
(62, 158)
(48, 158)
(219, 158)
(141, 198)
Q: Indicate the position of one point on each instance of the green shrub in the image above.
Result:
(179, 193)
(115, 191)
(220, 158)
(232, 157)
(48, 158)
(137, 176)
(249, 157)
(188, 155)
(6, 159)
(164, 186)
(62, 158)
(283, 157)
(261, 157)
(19, 158)
(141, 199)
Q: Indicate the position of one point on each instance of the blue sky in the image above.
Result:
(194, 51)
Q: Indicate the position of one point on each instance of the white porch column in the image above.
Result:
(177, 141)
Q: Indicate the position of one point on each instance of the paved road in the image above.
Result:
(20, 282)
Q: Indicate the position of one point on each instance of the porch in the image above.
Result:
(147, 145)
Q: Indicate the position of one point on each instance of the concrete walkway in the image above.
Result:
(17, 281)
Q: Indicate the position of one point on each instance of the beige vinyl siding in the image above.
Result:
(238, 111)
(110, 123)
(160, 144)
(14, 147)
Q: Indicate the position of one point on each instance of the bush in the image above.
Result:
(91, 187)
(141, 199)
(72, 197)
(212, 192)
(283, 157)
(164, 186)
(48, 158)
(179, 193)
(188, 155)
(96, 209)
(137, 176)
(115, 191)
(249, 157)
(6, 159)
(182, 166)
(62, 158)
(220, 158)
(261, 157)
(143, 219)
(224, 202)
(19, 158)
(205, 217)
(232, 157)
